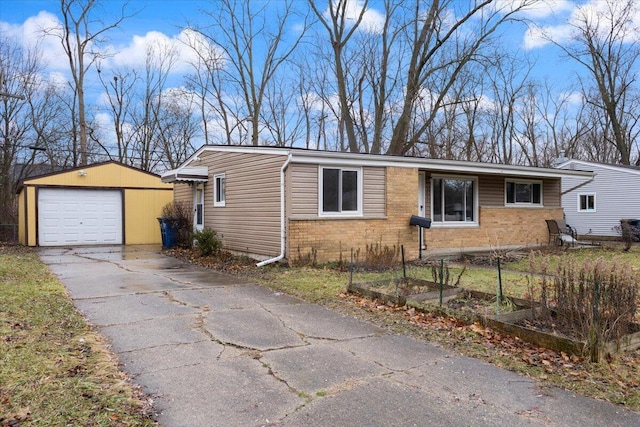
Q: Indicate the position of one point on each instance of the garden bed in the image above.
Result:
(514, 316)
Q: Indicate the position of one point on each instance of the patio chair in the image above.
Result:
(560, 233)
(567, 229)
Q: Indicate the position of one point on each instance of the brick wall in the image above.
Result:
(500, 227)
(333, 239)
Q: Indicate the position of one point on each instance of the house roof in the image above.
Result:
(300, 155)
(589, 166)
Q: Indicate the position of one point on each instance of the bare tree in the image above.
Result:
(252, 37)
(341, 26)
(119, 89)
(605, 43)
(81, 35)
(29, 114)
(160, 59)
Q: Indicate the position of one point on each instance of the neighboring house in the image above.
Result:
(105, 203)
(274, 203)
(595, 206)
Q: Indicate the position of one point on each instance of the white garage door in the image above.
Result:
(79, 217)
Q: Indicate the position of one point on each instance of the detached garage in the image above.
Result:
(105, 203)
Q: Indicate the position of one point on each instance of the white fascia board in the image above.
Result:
(454, 166)
(358, 160)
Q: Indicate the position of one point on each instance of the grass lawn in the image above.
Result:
(54, 369)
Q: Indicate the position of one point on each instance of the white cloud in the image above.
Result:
(372, 20)
(537, 37)
(543, 9)
(135, 53)
(594, 11)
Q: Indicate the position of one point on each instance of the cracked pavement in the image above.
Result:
(213, 350)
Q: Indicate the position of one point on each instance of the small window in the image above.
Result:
(453, 200)
(219, 189)
(586, 203)
(340, 191)
(523, 193)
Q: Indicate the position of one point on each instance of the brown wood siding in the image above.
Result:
(374, 193)
(304, 190)
(250, 220)
(551, 192)
(183, 193)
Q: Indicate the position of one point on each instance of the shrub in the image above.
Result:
(207, 242)
(595, 300)
(180, 214)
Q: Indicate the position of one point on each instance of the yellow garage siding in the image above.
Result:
(142, 208)
(144, 196)
(22, 226)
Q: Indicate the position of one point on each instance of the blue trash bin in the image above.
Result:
(168, 231)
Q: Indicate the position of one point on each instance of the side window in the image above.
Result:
(340, 191)
(586, 202)
(219, 189)
(523, 193)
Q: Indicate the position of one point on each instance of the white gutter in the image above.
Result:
(282, 216)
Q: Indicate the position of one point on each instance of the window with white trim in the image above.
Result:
(586, 202)
(340, 191)
(523, 192)
(219, 189)
(454, 200)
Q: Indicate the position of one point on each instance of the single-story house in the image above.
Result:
(595, 206)
(274, 203)
(103, 203)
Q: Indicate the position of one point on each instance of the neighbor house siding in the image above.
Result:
(617, 196)
(250, 220)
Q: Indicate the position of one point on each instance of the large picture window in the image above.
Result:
(523, 192)
(340, 191)
(453, 200)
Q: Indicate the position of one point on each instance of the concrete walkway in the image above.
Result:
(213, 350)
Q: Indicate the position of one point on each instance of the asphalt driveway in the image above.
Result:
(213, 350)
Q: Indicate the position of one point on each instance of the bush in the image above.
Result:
(207, 242)
(180, 215)
(595, 300)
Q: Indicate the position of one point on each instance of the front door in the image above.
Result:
(198, 207)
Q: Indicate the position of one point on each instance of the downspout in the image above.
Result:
(579, 185)
(283, 224)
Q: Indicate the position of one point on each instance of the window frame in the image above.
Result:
(523, 204)
(476, 202)
(587, 195)
(219, 200)
(359, 197)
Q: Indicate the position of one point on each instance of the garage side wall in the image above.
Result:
(142, 207)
